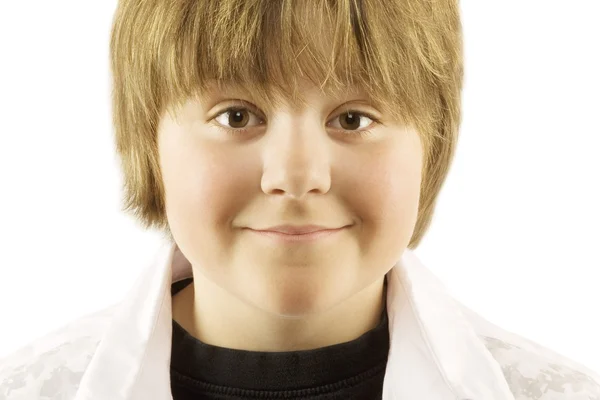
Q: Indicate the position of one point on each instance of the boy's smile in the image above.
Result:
(299, 238)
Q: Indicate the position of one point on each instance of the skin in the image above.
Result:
(297, 166)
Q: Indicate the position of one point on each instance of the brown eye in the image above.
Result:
(238, 118)
(350, 120)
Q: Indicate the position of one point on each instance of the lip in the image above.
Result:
(300, 237)
(297, 230)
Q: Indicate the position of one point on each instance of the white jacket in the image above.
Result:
(439, 349)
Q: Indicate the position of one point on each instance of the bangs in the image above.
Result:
(267, 47)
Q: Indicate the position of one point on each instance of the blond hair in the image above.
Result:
(407, 54)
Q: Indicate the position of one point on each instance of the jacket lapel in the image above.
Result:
(132, 359)
(434, 351)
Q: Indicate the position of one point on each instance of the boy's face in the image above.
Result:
(305, 166)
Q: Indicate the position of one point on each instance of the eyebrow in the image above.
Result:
(226, 89)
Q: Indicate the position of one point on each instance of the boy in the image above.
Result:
(292, 153)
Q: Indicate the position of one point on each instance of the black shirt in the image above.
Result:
(351, 370)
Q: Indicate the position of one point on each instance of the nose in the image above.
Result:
(297, 160)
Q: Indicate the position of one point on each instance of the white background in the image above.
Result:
(515, 236)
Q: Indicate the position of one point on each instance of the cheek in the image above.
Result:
(202, 190)
(388, 201)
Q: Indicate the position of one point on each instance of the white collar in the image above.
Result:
(434, 352)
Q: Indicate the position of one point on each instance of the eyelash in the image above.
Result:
(242, 131)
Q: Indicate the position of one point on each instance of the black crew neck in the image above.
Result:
(194, 362)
